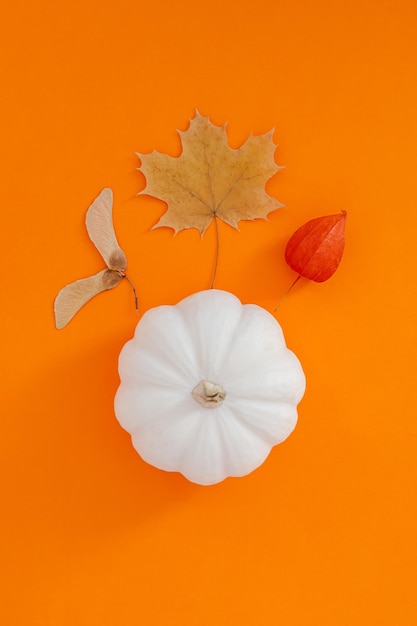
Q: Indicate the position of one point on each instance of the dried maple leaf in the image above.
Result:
(210, 179)
(99, 223)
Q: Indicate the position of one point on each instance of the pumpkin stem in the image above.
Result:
(208, 394)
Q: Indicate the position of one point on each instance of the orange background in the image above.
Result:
(325, 531)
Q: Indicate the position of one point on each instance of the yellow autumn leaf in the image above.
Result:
(210, 179)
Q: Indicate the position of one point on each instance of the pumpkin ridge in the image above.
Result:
(134, 411)
(196, 456)
(148, 364)
(168, 350)
(180, 417)
(241, 453)
(262, 431)
(201, 339)
(231, 367)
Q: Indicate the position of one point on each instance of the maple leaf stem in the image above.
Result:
(284, 297)
(216, 261)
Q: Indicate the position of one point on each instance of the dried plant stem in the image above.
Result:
(216, 260)
(134, 291)
(284, 297)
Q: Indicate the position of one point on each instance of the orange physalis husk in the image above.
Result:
(316, 248)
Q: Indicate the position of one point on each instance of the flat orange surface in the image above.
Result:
(324, 533)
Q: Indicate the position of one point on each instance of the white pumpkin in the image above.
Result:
(208, 387)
